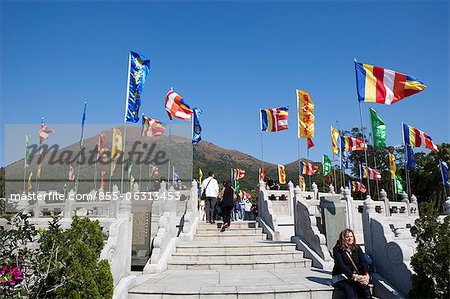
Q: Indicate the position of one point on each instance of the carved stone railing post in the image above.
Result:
(385, 199)
(68, 204)
(332, 189)
(163, 187)
(125, 214)
(447, 206)
(350, 206)
(291, 198)
(23, 205)
(369, 211)
(414, 206)
(315, 190)
(405, 199)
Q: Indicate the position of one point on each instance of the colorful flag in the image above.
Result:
(102, 184)
(378, 130)
(416, 138)
(371, 173)
(138, 67)
(175, 106)
(274, 120)
(398, 185)
(44, 132)
(262, 174)
(281, 174)
(444, 173)
(361, 172)
(152, 127)
(352, 144)
(237, 174)
(344, 160)
(200, 175)
(130, 169)
(326, 163)
(83, 119)
(383, 86)
(310, 143)
(196, 127)
(307, 168)
(357, 187)
(302, 183)
(175, 175)
(132, 183)
(71, 173)
(237, 187)
(410, 159)
(392, 165)
(305, 108)
(116, 144)
(154, 172)
(27, 150)
(244, 195)
(101, 148)
(334, 138)
(30, 186)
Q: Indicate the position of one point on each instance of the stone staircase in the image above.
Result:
(237, 263)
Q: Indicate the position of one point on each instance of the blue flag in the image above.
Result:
(83, 118)
(410, 160)
(196, 127)
(444, 172)
(176, 175)
(139, 66)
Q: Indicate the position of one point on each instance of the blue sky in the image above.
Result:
(227, 58)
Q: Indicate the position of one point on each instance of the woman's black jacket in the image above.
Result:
(343, 265)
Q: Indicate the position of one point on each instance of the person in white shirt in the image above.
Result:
(211, 189)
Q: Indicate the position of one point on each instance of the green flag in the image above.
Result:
(130, 168)
(236, 186)
(378, 130)
(326, 165)
(398, 185)
(27, 150)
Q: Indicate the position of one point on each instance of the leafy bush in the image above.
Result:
(431, 262)
(54, 263)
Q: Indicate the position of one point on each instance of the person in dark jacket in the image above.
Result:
(350, 271)
(227, 198)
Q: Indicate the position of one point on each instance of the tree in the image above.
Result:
(431, 263)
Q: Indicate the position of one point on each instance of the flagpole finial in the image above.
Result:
(171, 88)
(354, 59)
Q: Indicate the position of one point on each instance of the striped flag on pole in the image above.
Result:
(175, 106)
(44, 132)
(352, 144)
(383, 86)
(237, 174)
(416, 138)
(307, 168)
(281, 174)
(357, 187)
(275, 119)
(371, 173)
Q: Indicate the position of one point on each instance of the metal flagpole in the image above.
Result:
(168, 166)
(261, 134)
(95, 175)
(364, 139)
(298, 158)
(125, 121)
(39, 168)
(140, 162)
(81, 148)
(406, 161)
(375, 163)
(307, 157)
(111, 158)
(25, 166)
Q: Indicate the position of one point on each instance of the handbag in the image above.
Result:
(203, 196)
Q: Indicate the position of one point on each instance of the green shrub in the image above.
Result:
(65, 264)
(431, 262)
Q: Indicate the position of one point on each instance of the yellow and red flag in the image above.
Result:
(392, 165)
(334, 138)
(281, 174)
(305, 108)
(302, 183)
(262, 174)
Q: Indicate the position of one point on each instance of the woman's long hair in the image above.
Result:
(342, 243)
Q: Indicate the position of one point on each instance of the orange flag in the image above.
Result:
(310, 143)
(281, 174)
(305, 108)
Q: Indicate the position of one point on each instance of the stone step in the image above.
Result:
(237, 255)
(226, 237)
(199, 246)
(231, 230)
(276, 283)
(239, 265)
(234, 224)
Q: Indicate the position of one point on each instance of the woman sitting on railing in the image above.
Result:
(350, 272)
